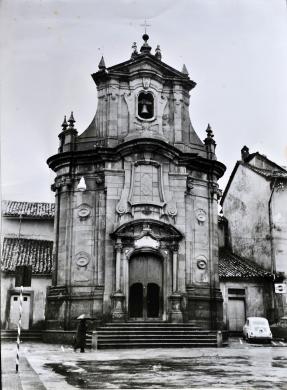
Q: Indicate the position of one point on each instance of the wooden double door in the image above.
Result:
(145, 287)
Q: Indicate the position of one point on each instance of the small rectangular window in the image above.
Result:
(236, 291)
(15, 299)
(25, 299)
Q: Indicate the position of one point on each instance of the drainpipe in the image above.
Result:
(273, 264)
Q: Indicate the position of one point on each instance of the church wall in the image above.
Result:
(90, 238)
(142, 187)
(117, 117)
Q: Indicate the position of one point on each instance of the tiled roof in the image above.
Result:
(37, 253)
(233, 266)
(12, 208)
(268, 173)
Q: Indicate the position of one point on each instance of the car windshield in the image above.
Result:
(260, 321)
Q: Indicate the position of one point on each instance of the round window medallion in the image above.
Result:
(201, 215)
(82, 259)
(201, 264)
(84, 211)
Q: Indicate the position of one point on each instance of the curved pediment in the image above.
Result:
(144, 63)
(138, 229)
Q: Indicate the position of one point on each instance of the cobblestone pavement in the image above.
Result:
(239, 366)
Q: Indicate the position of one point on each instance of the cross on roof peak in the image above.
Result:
(145, 25)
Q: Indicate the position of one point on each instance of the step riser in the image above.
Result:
(112, 338)
(132, 346)
(151, 329)
(154, 335)
(159, 334)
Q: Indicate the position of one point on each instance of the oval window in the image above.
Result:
(145, 105)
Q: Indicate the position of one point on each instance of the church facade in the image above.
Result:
(136, 204)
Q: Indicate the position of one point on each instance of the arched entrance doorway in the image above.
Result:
(145, 286)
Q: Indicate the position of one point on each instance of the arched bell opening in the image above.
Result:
(146, 105)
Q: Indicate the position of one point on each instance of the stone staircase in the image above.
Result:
(26, 335)
(154, 335)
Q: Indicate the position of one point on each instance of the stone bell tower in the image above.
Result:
(136, 204)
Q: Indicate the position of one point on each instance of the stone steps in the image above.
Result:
(26, 335)
(153, 335)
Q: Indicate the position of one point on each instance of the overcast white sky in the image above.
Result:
(236, 51)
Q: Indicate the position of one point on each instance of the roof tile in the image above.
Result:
(28, 209)
(233, 266)
(37, 253)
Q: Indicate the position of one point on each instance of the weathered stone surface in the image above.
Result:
(149, 199)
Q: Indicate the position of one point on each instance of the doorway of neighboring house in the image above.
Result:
(236, 314)
(145, 292)
(14, 312)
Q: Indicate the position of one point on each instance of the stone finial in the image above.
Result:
(210, 143)
(135, 50)
(64, 124)
(145, 47)
(244, 153)
(209, 132)
(102, 64)
(158, 53)
(184, 70)
(71, 121)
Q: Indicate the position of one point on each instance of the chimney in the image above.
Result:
(244, 153)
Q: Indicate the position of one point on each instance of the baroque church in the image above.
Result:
(136, 198)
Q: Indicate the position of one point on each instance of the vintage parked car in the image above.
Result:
(257, 328)
(279, 330)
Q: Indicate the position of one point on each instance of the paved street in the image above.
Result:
(239, 366)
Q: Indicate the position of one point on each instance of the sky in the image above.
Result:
(235, 50)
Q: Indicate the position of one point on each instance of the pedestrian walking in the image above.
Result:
(80, 337)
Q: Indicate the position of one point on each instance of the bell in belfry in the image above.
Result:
(144, 109)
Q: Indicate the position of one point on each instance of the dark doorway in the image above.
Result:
(136, 300)
(145, 292)
(152, 300)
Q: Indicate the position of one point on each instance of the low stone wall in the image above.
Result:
(58, 336)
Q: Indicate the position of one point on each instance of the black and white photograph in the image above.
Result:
(143, 194)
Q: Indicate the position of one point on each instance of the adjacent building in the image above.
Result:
(27, 239)
(247, 288)
(254, 203)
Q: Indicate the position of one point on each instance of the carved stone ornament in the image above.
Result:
(82, 259)
(171, 209)
(189, 184)
(201, 264)
(61, 182)
(121, 208)
(146, 82)
(99, 179)
(84, 211)
(146, 241)
(200, 215)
